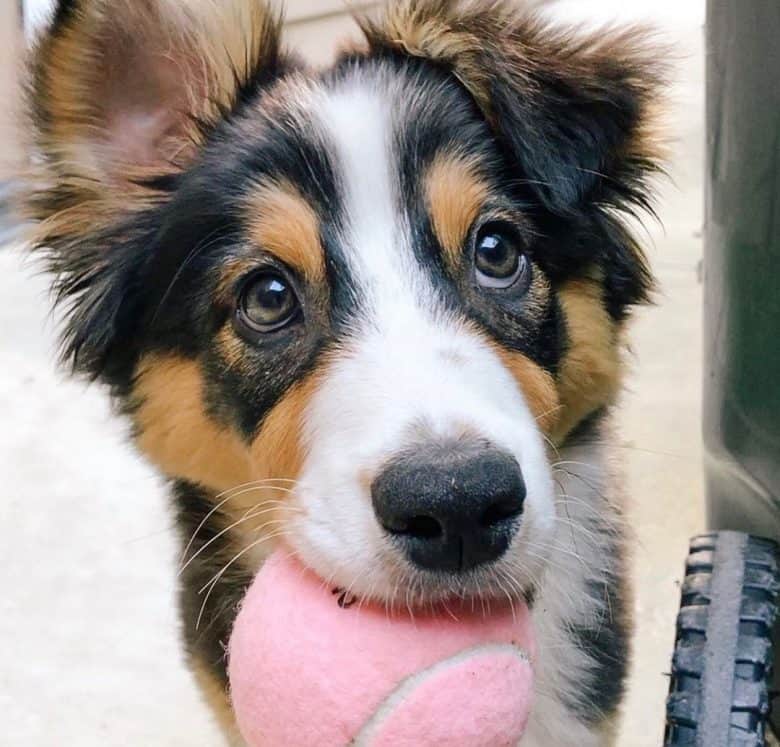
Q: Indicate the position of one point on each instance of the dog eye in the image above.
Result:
(499, 260)
(268, 302)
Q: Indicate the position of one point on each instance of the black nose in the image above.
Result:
(452, 508)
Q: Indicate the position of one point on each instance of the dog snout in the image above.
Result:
(450, 508)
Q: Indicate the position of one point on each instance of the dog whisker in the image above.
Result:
(571, 462)
(548, 561)
(555, 549)
(594, 539)
(212, 583)
(265, 502)
(551, 444)
(502, 575)
(564, 497)
(230, 495)
(566, 509)
(547, 412)
(249, 514)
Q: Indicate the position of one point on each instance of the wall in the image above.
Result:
(316, 27)
(10, 44)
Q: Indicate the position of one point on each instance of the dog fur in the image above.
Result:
(179, 152)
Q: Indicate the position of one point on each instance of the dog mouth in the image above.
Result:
(382, 573)
(442, 601)
(482, 590)
(388, 580)
(472, 534)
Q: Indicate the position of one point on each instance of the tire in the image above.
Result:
(723, 658)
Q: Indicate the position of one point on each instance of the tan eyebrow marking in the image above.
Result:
(281, 221)
(455, 194)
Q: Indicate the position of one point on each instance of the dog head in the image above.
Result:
(371, 294)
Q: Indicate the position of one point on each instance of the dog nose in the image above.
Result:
(451, 509)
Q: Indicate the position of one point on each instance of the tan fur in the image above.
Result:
(278, 450)
(282, 222)
(486, 41)
(232, 269)
(591, 372)
(456, 194)
(436, 30)
(175, 431)
(181, 61)
(177, 434)
(537, 385)
(276, 457)
(116, 95)
(217, 698)
(610, 730)
(231, 347)
(492, 45)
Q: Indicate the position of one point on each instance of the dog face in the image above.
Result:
(362, 300)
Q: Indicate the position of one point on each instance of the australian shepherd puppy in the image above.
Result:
(375, 311)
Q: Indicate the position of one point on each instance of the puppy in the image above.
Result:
(376, 311)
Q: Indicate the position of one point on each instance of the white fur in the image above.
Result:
(396, 374)
(407, 366)
(586, 526)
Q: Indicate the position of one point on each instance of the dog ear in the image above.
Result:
(122, 96)
(572, 109)
(122, 90)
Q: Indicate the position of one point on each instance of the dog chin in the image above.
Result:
(391, 581)
(480, 590)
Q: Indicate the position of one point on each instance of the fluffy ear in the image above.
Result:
(123, 90)
(574, 109)
(123, 94)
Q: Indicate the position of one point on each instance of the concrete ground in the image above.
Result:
(87, 624)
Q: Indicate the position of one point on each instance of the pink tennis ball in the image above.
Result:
(305, 671)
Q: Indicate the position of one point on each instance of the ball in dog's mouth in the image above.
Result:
(311, 667)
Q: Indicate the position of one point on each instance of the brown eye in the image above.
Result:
(498, 258)
(268, 302)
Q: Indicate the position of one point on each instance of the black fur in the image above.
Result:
(63, 11)
(567, 111)
(608, 645)
(607, 640)
(554, 139)
(207, 618)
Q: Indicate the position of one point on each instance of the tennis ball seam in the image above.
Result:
(370, 729)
